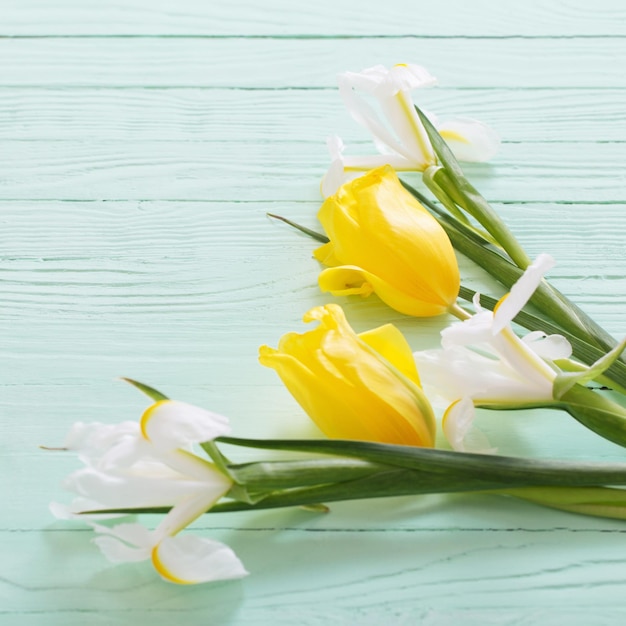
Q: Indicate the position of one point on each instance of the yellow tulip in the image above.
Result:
(383, 240)
(363, 387)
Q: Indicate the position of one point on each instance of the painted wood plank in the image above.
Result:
(100, 270)
(325, 18)
(513, 63)
(181, 293)
(281, 171)
(237, 115)
(382, 578)
(187, 253)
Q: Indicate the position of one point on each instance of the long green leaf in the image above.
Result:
(452, 177)
(554, 304)
(303, 229)
(484, 467)
(152, 393)
(596, 412)
(548, 300)
(302, 472)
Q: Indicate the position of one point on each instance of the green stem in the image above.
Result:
(511, 471)
(470, 200)
(350, 470)
(595, 501)
(596, 412)
(302, 472)
(403, 470)
(546, 298)
(444, 198)
(458, 312)
(452, 181)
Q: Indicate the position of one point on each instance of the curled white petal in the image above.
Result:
(335, 176)
(460, 430)
(170, 424)
(457, 421)
(187, 559)
(401, 113)
(409, 76)
(133, 534)
(117, 551)
(182, 559)
(124, 542)
(470, 140)
(551, 347)
(366, 116)
(335, 147)
(95, 437)
(368, 80)
(476, 329)
(61, 511)
(106, 445)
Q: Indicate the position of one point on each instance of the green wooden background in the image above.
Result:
(141, 145)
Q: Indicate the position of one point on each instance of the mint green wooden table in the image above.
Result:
(142, 144)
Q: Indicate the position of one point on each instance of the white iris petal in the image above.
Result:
(522, 291)
(396, 129)
(151, 465)
(482, 360)
(191, 559)
(550, 347)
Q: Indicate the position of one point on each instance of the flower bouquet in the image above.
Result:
(370, 393)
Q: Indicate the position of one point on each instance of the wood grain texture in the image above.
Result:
(454, 18)
(309, 116)
(411, 572)
(274, 172)
(145, 259)
(225, 63)
(142, 145)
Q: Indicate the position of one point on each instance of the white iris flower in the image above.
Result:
(151, 464)
(396, 128)
(484, 363)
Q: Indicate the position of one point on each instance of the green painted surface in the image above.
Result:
(142, 144)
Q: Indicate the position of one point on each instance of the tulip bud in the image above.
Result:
(383, 241)
(363, 387)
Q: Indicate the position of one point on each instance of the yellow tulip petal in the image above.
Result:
(381, 236)
(397, 409)
(390, 343)
(348, 280)
(334, 413)
(326, 254)
(348, 388)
